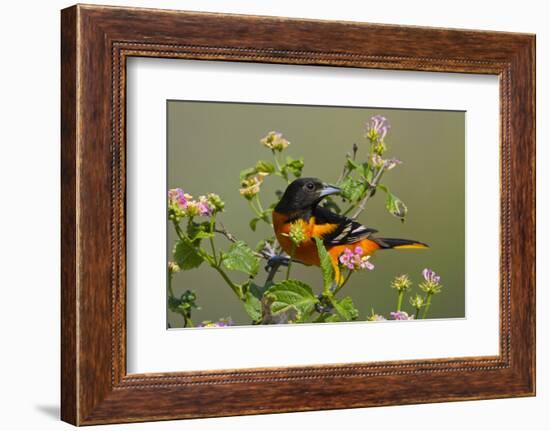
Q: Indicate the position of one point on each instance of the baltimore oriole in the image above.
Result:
(300, 201)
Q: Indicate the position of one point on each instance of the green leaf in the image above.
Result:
(352, 164)
(186, 254)
(352, 190)
(293, 166)
(367, 172)
(394, 205)
(240, 257)
(253, 306)
(330, 318)
(199, 231)
(326, 263)
(288, 315)
(253, 295)
(265, 166)
(245, 173)
(345, 308)
(254, 223)
(203, 235)
(290, 294)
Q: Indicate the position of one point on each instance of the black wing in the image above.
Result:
(347, 231)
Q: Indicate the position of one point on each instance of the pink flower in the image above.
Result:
(178, 197)
(182, 204)
(430, 285)
(430, 276)
(205, 209)
(221, 323)
(388, 164)
(355, 260)
(378, 125)
(400, 315)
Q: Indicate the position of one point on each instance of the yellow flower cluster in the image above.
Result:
(250, 187)
(275, 141)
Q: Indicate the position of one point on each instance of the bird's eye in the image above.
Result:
(310, 186)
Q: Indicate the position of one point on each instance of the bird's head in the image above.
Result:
(304, 194)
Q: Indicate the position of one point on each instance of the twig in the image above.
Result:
(370, 191)
(225, 233)
(222, 230)
(345, 170)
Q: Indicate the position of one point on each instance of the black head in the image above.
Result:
(304, 194)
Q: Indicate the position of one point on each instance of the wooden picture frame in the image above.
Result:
(95, 43)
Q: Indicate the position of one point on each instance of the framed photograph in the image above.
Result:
(328, 214)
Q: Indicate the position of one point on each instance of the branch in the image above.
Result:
(225, 233)
(370, 191)
(222, 230)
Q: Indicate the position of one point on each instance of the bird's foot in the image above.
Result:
(276, 261)
(323, 308)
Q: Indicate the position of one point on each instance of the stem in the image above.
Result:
(276, 158)
(416, 314)
(170, 288)
(254, 209)
(343, 284)
(345, 170)
(211, 260)
(370, 191)
(257, 198)
(427, 306)
(236, 289)
(179, 232)
(216, 265)
(279, 167)
(369, 161)
(262, 215)
(212, 221)
(400, 299)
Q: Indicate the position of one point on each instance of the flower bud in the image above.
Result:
(275, 141)
(401, 283)
(377, 128)
(173, 267)
(400, 315)
(296, 233)
(250, 187)
(417, 301)
(430, 285)
(205, 209)
(215, 202)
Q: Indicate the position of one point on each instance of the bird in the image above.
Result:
(300, 201)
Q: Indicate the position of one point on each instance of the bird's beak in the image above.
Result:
(329, 190)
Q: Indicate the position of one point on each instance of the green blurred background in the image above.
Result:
(209, 143)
